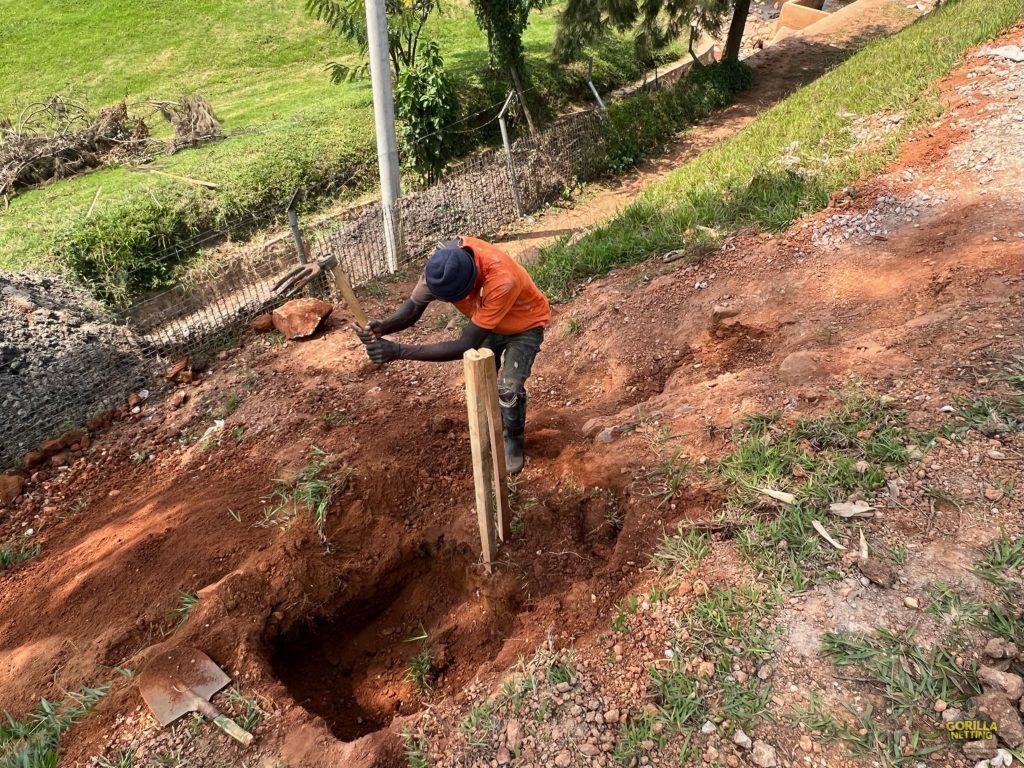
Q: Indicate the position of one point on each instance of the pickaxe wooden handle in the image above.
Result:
(345, 286)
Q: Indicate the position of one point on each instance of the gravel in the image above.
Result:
(888, 212)
(62, 361)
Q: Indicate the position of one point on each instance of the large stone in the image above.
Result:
(1001, 682)
(804, 366)
(563, 759)
(997, 708)
(11, 486)
(300, 318)
(878, 571)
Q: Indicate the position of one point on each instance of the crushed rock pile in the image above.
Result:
(62, 361)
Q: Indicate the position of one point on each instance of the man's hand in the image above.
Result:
(378, 350)
(376, 327)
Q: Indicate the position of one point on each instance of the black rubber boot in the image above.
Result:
(513, 419)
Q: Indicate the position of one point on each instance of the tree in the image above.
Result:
(504, 21)
(739, 23)
(348, 18)
(655, 23)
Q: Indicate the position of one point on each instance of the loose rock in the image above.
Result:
(763, 755)
(300, 318)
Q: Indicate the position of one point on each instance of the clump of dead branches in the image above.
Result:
(193, 121)
(58, 138)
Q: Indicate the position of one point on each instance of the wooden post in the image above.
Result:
(489, 474)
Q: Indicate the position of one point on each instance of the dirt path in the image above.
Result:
(780, 70)
(161, 538)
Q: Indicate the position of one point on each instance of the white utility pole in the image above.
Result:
(384, 120)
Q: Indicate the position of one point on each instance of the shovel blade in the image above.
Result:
(175, 681)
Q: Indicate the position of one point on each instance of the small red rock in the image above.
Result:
(11, 486)
(33, 459)
(262, 323)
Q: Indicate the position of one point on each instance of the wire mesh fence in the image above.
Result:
(205, 311)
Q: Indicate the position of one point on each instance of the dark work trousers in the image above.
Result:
(514, 355)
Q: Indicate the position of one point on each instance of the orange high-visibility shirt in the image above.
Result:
(504, 299)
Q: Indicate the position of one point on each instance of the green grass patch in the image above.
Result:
(744, 182)
(12, 556)
(820, 461)
(34, 741)
(911, 677)
(682, 549)
(262, 66)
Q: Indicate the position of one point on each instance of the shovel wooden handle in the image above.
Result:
(225, 723)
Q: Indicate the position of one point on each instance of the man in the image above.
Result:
(507, 314)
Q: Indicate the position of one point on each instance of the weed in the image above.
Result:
(989, 415)
(377, 289)
(681, 550)
(308, 490)
(249, 712)
(1005, 556)
(677, 693)
(10, 557)
(949, 605)
(167, 761)
(122, 759)
(186, 603)
(517, 526)
(1005, 620)
(620, 622)
(230, 405)
(634, 735)
(572, 325)
(139, 456)
(560, 671)
(667, 476)
(234, 515)
(415, 749)
(895, 747)
(79, 506)
(909, 675)
(478, 725)
(421, 672)
(33, 742)
(237, 433)
(275, 339)
(125, 672)
(745, 704)
(814, 717)
(334, 419)
(516, 689)
(934, 492)
(1014, 376)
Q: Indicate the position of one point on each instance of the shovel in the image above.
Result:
(182, 680)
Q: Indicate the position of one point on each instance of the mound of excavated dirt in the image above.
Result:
(62, 361)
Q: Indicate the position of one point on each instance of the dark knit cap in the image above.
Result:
(450, 273)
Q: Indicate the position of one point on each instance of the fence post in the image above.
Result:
(508, 154)
(489, 473)
(293, 223)
(590, 82)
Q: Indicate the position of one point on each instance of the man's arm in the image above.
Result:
(384, 351)
(406, 316)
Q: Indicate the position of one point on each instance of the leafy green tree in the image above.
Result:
(655, 23)
(425, 99)
(504, 21)
(405, 18)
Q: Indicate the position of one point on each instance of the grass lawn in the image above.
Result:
(744, 182)
(261, 65)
